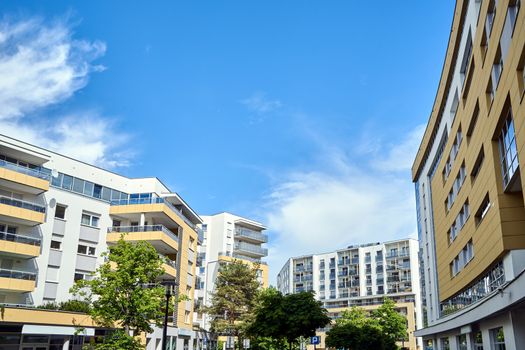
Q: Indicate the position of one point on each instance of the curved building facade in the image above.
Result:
(468, 184)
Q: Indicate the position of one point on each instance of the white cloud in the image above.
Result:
(400, 157)
(323, 210)
(259, 103)
(41, 65)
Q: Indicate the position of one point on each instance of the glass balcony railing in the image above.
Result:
(10, 237)
(251, 248)
(19, 275)
(244, 257)
(147, 228)
(25, 170)
(247, 233)
(22, 204)
(168, 261)
(154, 200)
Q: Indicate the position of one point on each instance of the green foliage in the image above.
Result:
(116, 340)
(69, 305)
(233, 300)
(125, 291)
(358, 330)
(286, 318)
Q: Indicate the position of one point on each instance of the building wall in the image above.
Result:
(55, 267)
(393, 265)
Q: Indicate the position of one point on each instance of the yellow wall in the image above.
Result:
(144, 236)
(17, 248)
(16, 285)
(502, 228)
(23, 179)
(21, 213)
(46, 317)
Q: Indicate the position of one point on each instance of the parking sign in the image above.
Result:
(315, 340)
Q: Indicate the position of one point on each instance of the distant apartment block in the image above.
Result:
(227, 237)
(360, 275)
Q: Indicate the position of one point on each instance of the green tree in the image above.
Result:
(392, 323)
(233, 299)
(124, 291)
(286, 318)
(359, 330)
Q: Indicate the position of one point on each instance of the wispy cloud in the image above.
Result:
(41, 65)
(341, 203)
(259, 103)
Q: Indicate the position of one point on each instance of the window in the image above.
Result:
(497, 69)
(489, 21)
(478, 340)
(467, 53)
(97, 191)
(82, 275)
(186, 317)
(67, 182)
(56, 245)
(78, 185)
(60, 211)
(497, 338)
(483, 209)
(512, 12)
(87, 250)
(508, 151)
(8, 229)
(473, 120)
(445, 345)
(455, 104)
(462, 342)
(477, 164)
(90, 220)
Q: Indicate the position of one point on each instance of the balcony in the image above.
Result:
(246, 234)
(19, 246)
(157, 207)
(164, 240)
(17, 281)
(303, 278)
(244, 257)
(24, 179)
(250, 249)
(342, 273)
(170, 268)
(22, 212)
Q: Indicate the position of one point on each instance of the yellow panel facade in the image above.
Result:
(149, 236)
(46, 317)
(16, 285)
(31, 217)
(19, 249)
(23, 179)
(501, 228)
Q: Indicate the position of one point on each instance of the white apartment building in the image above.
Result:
(226, 237)
(57, 216)
(360, 275)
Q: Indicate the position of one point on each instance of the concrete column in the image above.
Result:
(66, 344)
(142, 219)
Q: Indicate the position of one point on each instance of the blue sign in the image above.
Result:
(315, 340)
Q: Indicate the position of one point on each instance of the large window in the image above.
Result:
(462, 342)
(497, 338)
(445, 344)
(478, 340)
(507, 149)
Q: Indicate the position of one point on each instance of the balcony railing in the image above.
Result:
(19, 275)
(147, 228)
(154, 200)
(251, 248)
(25, 170)
(244, 257)
(244, 232)
(22, 204)
(10, 237)
(168, 261)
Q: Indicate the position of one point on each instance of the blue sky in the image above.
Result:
(304, 115)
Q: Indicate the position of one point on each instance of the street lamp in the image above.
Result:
(168, 286)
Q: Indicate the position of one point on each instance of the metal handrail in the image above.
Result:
(25, 170)
(243, 232)
(11, 237)
(22, 204)
(147, 228)
(20, 275)
(155, 200)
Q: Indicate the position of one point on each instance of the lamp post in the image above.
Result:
(169, 286)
